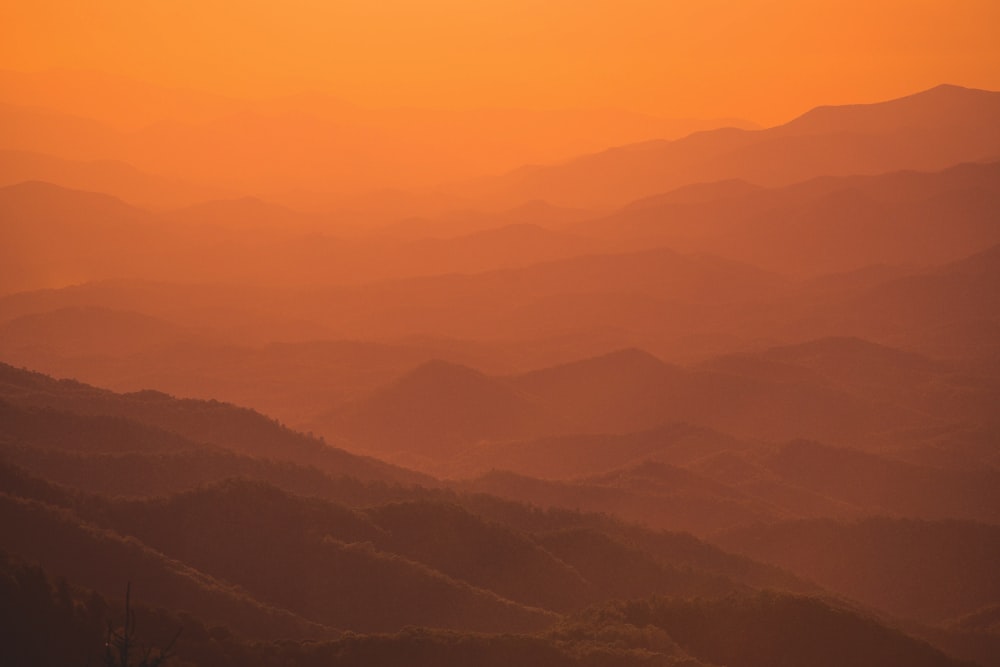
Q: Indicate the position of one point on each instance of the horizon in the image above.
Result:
(514, 55)
(317, 93)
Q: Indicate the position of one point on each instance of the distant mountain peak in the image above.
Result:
(632, 357)
(50, 194)
(442, 383)
(45, 188)
(439, 369)
(932, 107)
(628, 365)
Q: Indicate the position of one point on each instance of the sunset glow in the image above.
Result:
(764, 60)
(547, 333)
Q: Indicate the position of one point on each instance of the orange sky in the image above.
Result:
(765, 60)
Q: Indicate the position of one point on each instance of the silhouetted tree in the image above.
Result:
(121, 643)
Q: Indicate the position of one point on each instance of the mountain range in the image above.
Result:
(322, 384)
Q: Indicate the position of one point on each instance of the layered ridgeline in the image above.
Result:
(728, 399)
(659, 631)
(175, 497)
(247, 312)
(165, 148)
(930, 130)
(298, 355)
(822, 225)
(833, 190)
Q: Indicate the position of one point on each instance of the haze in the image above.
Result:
(764, 60)
(547, 334)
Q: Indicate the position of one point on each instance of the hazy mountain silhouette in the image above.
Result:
(575, 292)
(632, 390)
(309, 142)
(227, 312)
(873, 561)
(654, 494)
(393, 548)
(236, 240)
(553, 388)
(238, 429)
(444, 530)
(929, 130)
(887, 486)
(813, 479)
(875, 372)
(810, 479)
(437, 408)
(509, 246)
(935, 107)
(63, 544)
(695, 193)
(289, 248)
(614, 392)
(661, 272)
(54, 133)
(824, 224)
(123, 457)
(58, 251)
(638, 630)
(87, 93)
(112, 177)
(47, 241)
(446, 418)
(463, 221)
(839, 405)
(743, 631)
(580, 455)
(87, 332)
(748, 475)
(291, 381)
(628, 572)
(957, 298)
(854, 361)
(749, 481)
(246, 215)
(316, 534)
(681, 551)
(312, 538)
(452, 539)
